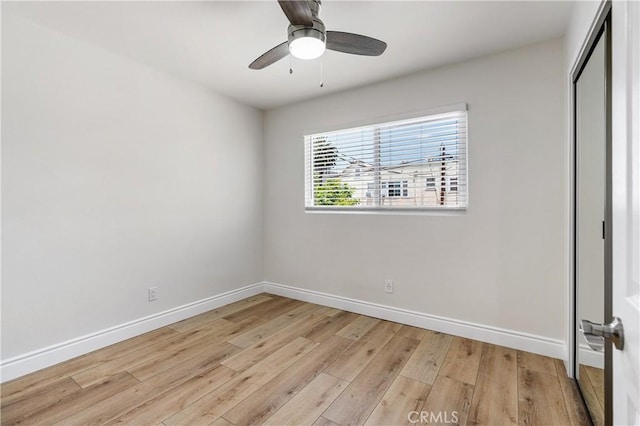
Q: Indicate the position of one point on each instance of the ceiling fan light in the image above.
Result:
(307, 48)
(307, 43)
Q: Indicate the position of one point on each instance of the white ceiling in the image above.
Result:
(213, 42)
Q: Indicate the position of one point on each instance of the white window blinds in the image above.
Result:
(420, 163)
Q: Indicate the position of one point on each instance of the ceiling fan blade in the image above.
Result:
(271, 56)
(298, 12)
(355, 44)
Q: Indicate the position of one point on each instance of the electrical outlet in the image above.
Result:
(388, 286)
(153, 294)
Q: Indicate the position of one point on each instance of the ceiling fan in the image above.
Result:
(308, 37)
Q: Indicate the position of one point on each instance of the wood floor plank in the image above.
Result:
(268, 309)
(112, 366)
(255, 353)
(412, 332)
(428, 357)
(356, 357)
(177, 398)
(221, 421)
(285, 385)
(119, 404)
(495, 398)
(28, 383)
(201, 320)
(360, 398)
(540, 399)
(196, 366)
(331, 312)
(590, 397)
(19, 387)
(596, 377)
(462, 360)
(216, 403)
(323, 421)
(79, 401)
(327, 311)
(273, 326)
(38, 399)
(330, 326)
(403, 397)
(116, 405)
(535, 362)
(104, 369)
(449, 402)
(358, 328)
(576, 410)
(308, 404)
(199, 350)
(202, 355)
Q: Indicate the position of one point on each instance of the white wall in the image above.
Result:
(503, 262)
(115, 178)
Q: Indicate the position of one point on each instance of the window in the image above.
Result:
(396, 189)
(453, 184)
(389, 165)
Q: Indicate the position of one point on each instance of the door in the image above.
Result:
(592, 121)
(616, 40)
(626, 208)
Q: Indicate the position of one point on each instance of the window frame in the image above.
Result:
(463, 179)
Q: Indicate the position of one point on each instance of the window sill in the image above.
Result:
(420, 211)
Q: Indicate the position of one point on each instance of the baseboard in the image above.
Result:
(45, 357)
(588, 356)
(510, 338)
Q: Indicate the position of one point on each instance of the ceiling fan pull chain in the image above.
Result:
(290, 65)
(321, 72)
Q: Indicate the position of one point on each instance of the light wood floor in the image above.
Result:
(592, 383)
(273, 360)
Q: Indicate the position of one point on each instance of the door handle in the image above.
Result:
(595, 342)
(596, 333)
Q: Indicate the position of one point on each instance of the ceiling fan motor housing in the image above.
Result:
(317, 31)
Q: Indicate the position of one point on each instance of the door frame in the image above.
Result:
(601, 27)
